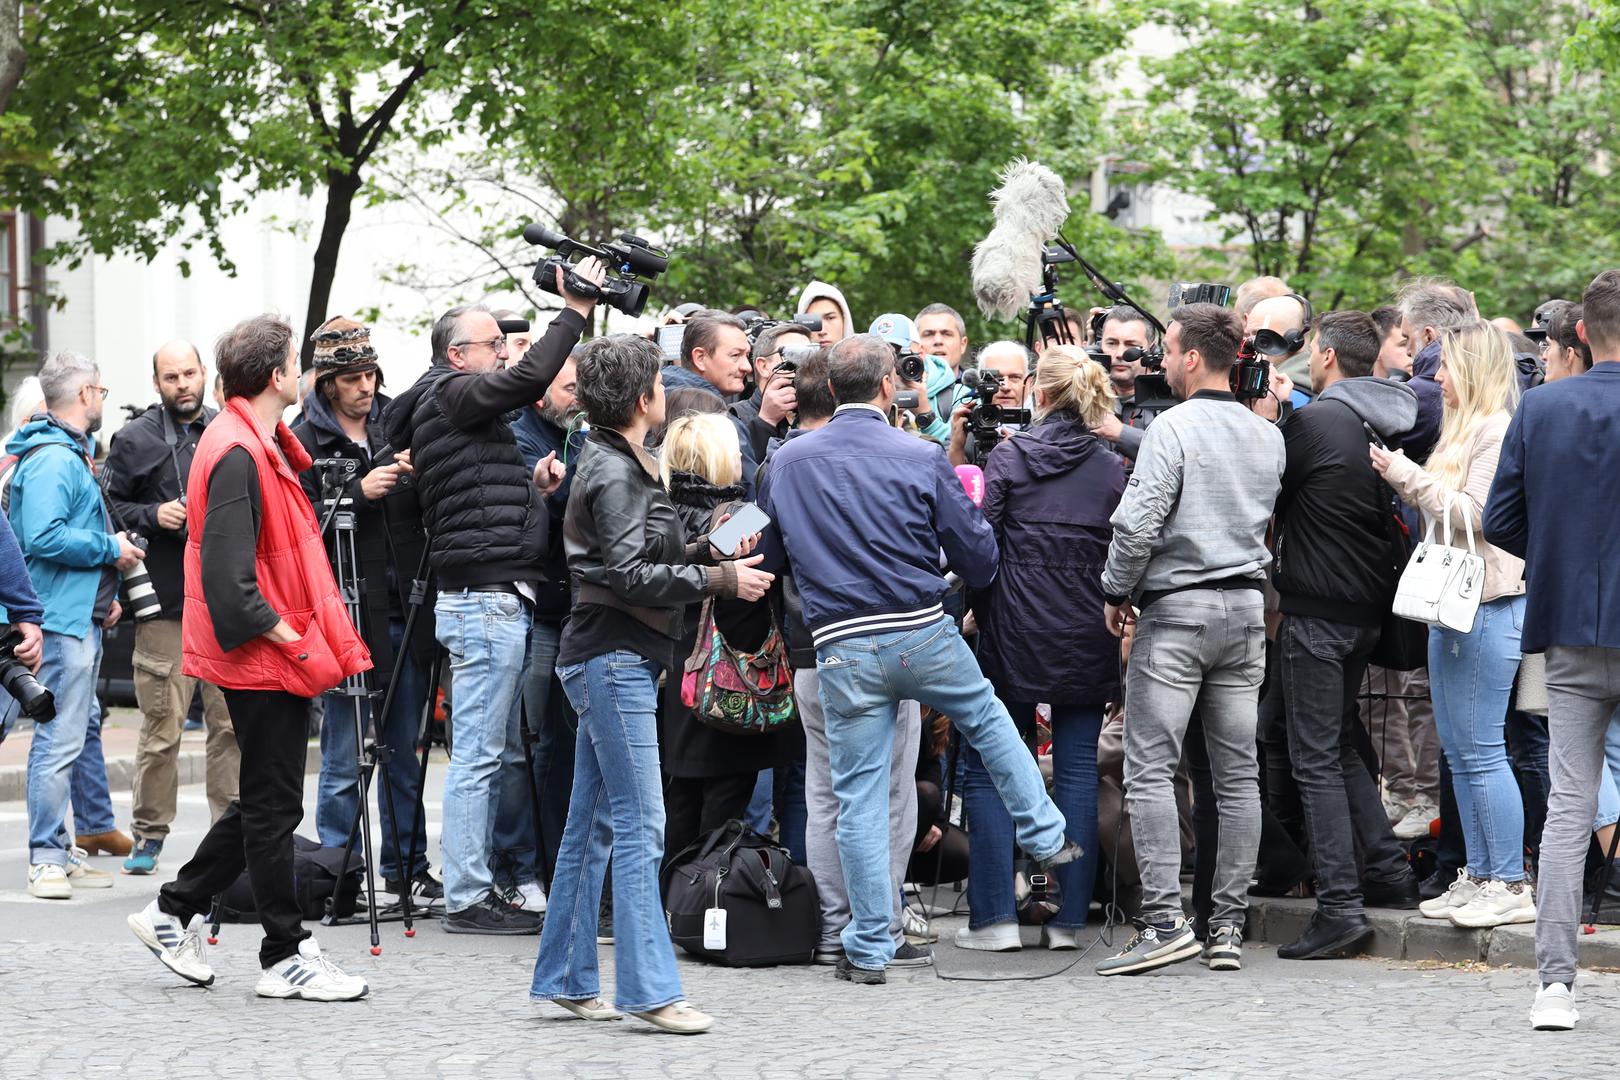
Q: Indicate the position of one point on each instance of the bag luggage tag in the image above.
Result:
(714, 928)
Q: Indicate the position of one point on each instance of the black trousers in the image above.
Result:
(255, 833)
(696, 806)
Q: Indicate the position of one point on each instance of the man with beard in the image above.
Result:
(73, 558)
(343, 419)
(146, 472)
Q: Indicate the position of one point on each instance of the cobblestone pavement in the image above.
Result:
(85, 1000)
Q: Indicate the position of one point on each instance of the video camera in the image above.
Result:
(986, 418)
(755, 324)
(629, 257)
(36, 702)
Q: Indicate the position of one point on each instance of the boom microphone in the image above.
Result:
(1031, 205)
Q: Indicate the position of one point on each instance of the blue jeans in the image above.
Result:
(487, 638)
(56, 777)
(1075, 729)
(338, 802)
(862, 679)
(1471, 680)
(514, 860)
(792, 815)
(617, 809)
(1609, 787)
(758, 814)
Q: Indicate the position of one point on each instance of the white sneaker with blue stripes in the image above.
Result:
(179, 947)
(311, 976)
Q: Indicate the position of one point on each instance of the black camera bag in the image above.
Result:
(773, 912)
(315, 870)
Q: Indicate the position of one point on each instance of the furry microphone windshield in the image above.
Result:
(1031, 206)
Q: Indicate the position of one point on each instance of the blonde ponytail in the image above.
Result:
(1068, 380)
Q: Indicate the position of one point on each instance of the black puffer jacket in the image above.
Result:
(689, 748)
(485, 518)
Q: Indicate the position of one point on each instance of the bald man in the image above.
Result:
(147, 469)
(1282, 315)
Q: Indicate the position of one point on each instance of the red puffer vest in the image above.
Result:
(292, 568)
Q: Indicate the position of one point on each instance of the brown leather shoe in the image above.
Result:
(105, 843)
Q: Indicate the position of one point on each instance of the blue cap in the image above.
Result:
(896, 329)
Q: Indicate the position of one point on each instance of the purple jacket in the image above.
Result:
(1048, 493)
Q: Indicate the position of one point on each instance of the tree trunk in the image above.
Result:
(341, 188)
(12, 57)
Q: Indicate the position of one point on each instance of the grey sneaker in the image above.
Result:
(1223, 949)
(1153, 947)
(909, 955)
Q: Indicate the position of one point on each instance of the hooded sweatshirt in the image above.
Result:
(820, 290)
(1334, 516)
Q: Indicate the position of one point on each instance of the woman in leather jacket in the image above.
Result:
(632, 572)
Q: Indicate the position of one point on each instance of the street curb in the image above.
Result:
(192, 766)
(1406, 935)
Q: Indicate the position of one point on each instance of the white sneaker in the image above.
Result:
(1495, 904)
(998, 937)
(179, 947)
(1060, 937)
(82, 874)
(49, 881)
(916, 928)
(311, 976)
(1415, 825)
(531, 896)
(1457, 895)
(1395, 808)
(1554, 1009)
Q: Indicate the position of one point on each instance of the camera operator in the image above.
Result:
(1124, 328)
(1010, 362)
(1285, 321)
(73, 558)
(764, 415)
(145, 481)
(1048, 493)
(252, 554)
(343, 420)
(20, 608)
(942, 336)
(486, 518)
(863, 512)
(1336, 584)
(1189, 548)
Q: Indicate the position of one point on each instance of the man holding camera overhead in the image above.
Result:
(486, 518)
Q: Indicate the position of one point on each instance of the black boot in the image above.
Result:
(1608, 912)
(1329, 937)
(1401, 893)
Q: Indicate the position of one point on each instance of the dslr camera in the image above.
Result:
(36, 702)
(631, 263)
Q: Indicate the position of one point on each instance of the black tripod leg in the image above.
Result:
(425, 742)
(213, 918)
(407, 869)
(1604, 873)
(528, 736)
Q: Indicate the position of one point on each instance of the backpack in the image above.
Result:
(315, 871)
(772, 909)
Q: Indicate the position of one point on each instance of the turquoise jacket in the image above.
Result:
(944, 395)
(60, 522)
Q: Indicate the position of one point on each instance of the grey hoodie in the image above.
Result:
(1388, 406)
(820, 290)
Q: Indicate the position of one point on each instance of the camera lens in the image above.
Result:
(911, 367)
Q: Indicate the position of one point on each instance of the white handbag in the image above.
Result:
(1442, 585)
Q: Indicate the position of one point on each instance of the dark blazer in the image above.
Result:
(1553, 505)
(1048, 493)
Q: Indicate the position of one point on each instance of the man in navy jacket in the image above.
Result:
(864, 511)
(1552, 504)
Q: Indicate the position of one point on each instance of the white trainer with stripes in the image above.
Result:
(311, 976)
(179, 947)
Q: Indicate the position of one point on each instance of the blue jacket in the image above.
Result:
(679, 378)
(61, 523)
(536, 437)
(1553, 505)
(17, 597)
(862, 512)
(1426, 430)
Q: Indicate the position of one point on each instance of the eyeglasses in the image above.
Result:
(496, 344)
(100, 389)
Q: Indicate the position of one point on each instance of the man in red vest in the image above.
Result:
(262, 620)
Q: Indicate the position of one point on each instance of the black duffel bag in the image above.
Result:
(773, 912)
(315, 870)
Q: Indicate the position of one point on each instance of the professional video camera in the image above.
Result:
(756, 324)
(630, 257)
(986, 418)
(36, 702)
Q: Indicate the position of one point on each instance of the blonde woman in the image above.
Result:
(709, 774)
(1048, 493)
(1471, 674)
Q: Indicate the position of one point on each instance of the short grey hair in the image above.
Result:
(944, 309)
(1434, 303)
(64, 375)
(856, 367)
(1006, 347)
(448, 329)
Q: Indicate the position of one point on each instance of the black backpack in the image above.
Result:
(773, 912)
(315, 870)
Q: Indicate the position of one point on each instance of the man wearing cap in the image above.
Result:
(343, 420)
(901, 334)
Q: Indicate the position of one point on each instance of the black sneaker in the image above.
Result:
(1223, 949)
(604, 927)
(862, 976)
(827, 957)
(908, 955)
(491, 915)
(425, 888)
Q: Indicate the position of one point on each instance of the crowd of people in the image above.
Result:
(1178, 600)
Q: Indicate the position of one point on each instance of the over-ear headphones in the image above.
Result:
(1285, 343)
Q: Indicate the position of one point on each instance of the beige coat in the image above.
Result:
(1504, 574)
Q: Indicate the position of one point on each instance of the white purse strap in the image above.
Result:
(1467, 513)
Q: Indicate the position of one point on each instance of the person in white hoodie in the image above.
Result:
(820, 298)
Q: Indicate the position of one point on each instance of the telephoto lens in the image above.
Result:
(139, 596)
(36, 702)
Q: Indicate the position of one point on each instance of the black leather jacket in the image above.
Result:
(626, 545)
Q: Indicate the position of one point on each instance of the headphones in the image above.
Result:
(1285, 343)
